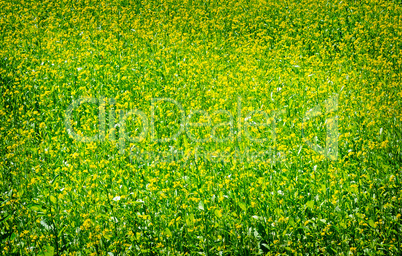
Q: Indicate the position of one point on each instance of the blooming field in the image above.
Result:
(200, 127)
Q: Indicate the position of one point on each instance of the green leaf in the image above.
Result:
(201, 205)
(278, 211)
(243, 206)
(5, 218)
(190, 220)
(291, 222)
(343, 224)
(53, 199)
(108, 236)
(47, 251)
(35, 207)
(167, 231)
(371, 223)
(218, 213)
(55, 177)
(61, 231)
(45, 225)
(310, 204)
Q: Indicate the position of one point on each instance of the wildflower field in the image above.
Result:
(200, 127)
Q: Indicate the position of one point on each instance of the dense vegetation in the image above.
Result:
(200, 127)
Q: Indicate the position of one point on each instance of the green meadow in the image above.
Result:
(200, 127)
